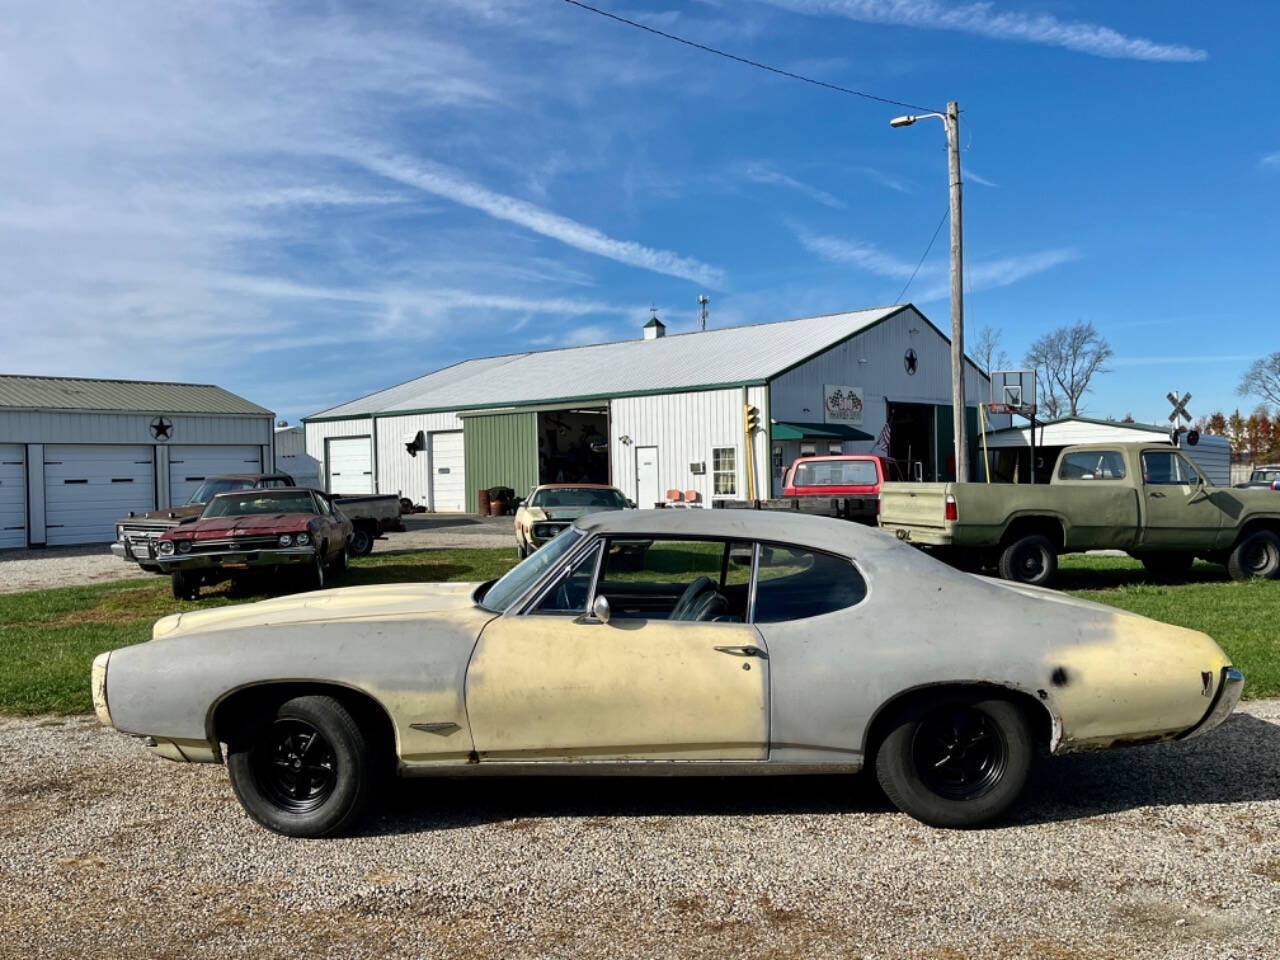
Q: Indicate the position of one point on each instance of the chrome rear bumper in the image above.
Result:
(1224, 701)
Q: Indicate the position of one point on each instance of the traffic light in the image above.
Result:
(753, 417)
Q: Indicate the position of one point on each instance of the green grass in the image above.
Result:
(49, 637)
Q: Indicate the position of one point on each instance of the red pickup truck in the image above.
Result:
(851, 480)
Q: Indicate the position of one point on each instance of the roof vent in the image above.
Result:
(655, 328)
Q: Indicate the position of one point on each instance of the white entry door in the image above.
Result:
(350, 466)
(448, 480)
(190, 466)
(648, 490)
(13, 495)
(88, 487)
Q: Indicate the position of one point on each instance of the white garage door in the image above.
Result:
(448, 481)
(88, 488)
(191, 466)
(350, 466)
(13, 496)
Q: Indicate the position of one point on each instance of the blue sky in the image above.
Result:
(306, 202)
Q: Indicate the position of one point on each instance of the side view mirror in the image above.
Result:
(631, 504)
(600, 609)
(1199, 492)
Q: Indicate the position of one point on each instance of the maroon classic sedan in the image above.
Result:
(263, 530)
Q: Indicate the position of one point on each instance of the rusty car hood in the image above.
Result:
(392, 601)
(214, 528)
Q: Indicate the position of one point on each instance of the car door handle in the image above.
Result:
(743, 651)
(1155, 493)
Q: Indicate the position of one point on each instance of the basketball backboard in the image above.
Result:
(1013, 391)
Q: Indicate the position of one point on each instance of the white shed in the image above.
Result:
(77, 454)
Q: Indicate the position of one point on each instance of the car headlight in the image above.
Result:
(286, 540)
(119, 532)
(303, 539)
(184, 546)
(165, 548)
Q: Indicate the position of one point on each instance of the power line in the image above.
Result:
(750, 63)
(936, 230)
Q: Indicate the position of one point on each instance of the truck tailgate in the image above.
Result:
(913, 504)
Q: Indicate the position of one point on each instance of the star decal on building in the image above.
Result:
(162, 428)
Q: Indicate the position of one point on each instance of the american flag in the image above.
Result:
(883, 442)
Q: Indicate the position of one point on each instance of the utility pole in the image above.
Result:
(951, 121)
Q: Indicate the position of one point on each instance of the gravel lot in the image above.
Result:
(72, 566)
(1168, 851)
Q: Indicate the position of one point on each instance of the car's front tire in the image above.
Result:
(185, 586)
(317, 567)
(1255, 556)
(955, 761)
(302, 769)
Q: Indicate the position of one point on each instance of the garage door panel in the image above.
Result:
(448, 479)
(13, 496)
(88, 488)
(190, 466)
(350, 466)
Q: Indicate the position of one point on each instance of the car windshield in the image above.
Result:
(259, 502)
(835, 473)
(1265, 476)
(524, 575)
(211, 488)
(579, 497)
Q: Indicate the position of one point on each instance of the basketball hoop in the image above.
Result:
(1013, 391)
(1027, 410)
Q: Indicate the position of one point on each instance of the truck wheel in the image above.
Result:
(1257, 555)
(1168, 564)
(186, 586)
(958, 761)
(361, 541)
(1030, 560)
(303, 770)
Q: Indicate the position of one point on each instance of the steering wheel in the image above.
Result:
(687, 599)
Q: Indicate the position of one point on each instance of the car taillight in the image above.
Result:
(952, 513)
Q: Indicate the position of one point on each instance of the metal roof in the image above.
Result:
(127, 396)
(728, 356)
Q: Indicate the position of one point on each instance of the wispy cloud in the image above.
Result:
(759, 172)
(1271, 160)
(932, 277)
(969, 176)
(442, 182)
(986, 20)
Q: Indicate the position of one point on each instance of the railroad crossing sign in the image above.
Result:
(1179, 407)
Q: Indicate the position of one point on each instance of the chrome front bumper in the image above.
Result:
(1224, 701)
(260, 557)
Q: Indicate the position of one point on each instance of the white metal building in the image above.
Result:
(1010, 448)
(657, 413)
(77, 454)
(292, 457)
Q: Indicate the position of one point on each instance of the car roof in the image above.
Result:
(776, 526)
(248, 476)
(576, 486)
(262, 492)
(840, 456)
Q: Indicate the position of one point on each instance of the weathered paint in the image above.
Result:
(553, 688)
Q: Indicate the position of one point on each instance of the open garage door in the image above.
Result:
(190, 466)
(448, 476)
(349, 465)
(87, 488)
(13, 496)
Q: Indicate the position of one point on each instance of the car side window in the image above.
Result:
(677, 580)
(568, 596)
(1167, 469)
(1092, 465)
(325, 506)
(793, 583)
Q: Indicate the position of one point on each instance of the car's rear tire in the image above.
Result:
(185, 586)
(342, 561)
(1168, 564)
(361, 541)
(1031, 560)
(302, 769)
(957, 761)
(1256, 556)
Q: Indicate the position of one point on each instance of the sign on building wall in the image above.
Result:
(841, 404)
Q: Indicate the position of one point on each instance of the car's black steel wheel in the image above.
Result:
(302, 768)
(1255, 556)
(955, 761)
(185, 586)
(1031, 559)
(361, 542)
(317, 567)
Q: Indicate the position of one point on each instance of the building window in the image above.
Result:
(724, 470)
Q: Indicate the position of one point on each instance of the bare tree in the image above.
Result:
(1262, 379)
(987, 353)
(1066, 360)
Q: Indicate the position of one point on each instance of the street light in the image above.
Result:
(951, 121)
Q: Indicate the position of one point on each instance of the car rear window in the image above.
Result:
(836, 473)
(1092, 465)
(793, 583)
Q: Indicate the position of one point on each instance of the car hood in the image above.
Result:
(218, 527)
(393, 601)
(169, 516)
(563, 513)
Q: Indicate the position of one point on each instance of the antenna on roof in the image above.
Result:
(703, 300)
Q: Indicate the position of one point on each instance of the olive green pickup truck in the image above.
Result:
(1150, 501)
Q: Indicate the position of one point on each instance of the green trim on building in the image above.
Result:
(816, 431)
(500, 450)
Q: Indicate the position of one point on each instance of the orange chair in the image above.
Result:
(675, 498)
(691, 498)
